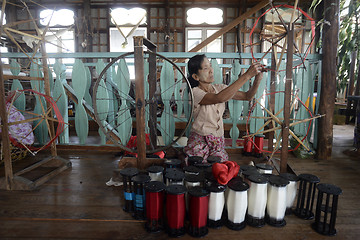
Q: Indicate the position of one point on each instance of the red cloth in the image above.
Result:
(132, 144)
(224, 172)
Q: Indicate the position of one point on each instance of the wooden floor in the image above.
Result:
(78, 205)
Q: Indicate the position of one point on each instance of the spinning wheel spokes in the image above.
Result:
(163, 108)
(24, 123)
(277, 123)
(278, 32)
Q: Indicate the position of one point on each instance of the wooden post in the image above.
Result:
(48, 93)
(5, 134)
(351, 86)
(328, 78)
(287, 99)
(140, 101)
(152, 89)
(272, 99)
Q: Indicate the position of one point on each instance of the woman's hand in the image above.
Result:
(255, 69)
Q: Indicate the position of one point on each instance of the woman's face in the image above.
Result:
(206, 73)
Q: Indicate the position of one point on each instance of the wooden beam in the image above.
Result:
(287, 99)
(231, 25)
(8, 77)
(140, 101)
(328, 79)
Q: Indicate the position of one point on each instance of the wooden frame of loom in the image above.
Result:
(11, 180)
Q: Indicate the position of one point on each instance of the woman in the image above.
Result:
(207, 131)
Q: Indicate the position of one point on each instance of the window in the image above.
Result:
(60, 39)
(195, 36)
(123, 16)
(62, 17)
(4, 49)
(128, 21)
(212, 16)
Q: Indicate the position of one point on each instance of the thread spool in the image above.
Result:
(127, 174)
(264, 168)
(246, 174)
(213, 159)
(244, 168)
(192, 160)
(259, 142)
(236, 178)
(209, 178)
(139, 192)
(306, 195)
(291, 190)
(172, 163)
(216, 205)
(203, 166)
(191, 170)
(156, 173)
(198, 211)
(175, 210)
(192, 181)
(154, 191)
(236, 203)
(248, 146)
(276, 201)
(257, 197)
(174, 177)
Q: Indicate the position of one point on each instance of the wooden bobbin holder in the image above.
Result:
(306, 195)
(127, 174)
(326, 209)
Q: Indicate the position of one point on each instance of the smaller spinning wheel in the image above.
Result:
(27, 127)
(277, 33)
(277, 122)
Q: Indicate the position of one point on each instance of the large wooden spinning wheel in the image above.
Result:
(167, 101)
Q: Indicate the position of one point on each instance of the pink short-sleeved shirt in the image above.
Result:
(208, 118)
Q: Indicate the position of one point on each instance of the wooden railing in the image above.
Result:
(77, 87)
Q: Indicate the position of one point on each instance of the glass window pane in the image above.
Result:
(68, 45)
(193, 43)
(214, 46)
(62, 17)
(211, 16)
(194, 33)
(132, 16)
(4, 50)
(210, 32)
(51, 48)
(119, 44)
